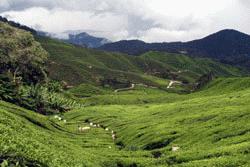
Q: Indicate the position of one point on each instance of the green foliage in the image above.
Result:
(87, 90)
(203, 81)
(18, 162)
(41, 99)
(211, 128)
(35, 138)
(21, 55)
(78, 65)
(23, 70)
(8, 89)
(191, 68)
(33, 98)
(54, 86)
(45, 99)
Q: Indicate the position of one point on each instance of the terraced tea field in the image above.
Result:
(152, 127)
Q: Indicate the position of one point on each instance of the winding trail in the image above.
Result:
(170, 86)
(125, 89)
(172, 82)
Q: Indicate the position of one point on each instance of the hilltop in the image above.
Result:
(228, 46)
(84, 39)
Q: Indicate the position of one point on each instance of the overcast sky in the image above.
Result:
(148, 20)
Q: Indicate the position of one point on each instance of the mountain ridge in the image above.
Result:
(228, 46)
(85, 39)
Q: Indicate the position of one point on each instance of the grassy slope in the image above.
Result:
(89, 66)
(211, 127)
(35, 139)
(79, 65)
(191, 68)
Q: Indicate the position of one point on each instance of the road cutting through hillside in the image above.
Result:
(125, 89)
(172, 82)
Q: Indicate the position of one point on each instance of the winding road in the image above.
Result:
(125, 89)
(171, 83)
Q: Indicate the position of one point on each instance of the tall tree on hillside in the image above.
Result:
(21, 55)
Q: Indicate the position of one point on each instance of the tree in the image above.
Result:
(21, 55)
(203, 80)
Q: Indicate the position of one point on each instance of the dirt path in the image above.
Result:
(171, 83)
(125, 89)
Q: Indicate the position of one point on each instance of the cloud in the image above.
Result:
(245, 3)
(158, 20)
(58, 21)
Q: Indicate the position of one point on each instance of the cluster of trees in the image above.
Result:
(204, 80)
(23, 75)
(115, 83)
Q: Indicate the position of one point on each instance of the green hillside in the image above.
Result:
(78, 65)
(63, 105)
(191, 68)
(210, 128)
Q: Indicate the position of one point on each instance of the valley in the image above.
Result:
(147, 128)
(66, 105)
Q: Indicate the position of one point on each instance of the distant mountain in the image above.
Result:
(227, 46)
(77, 38)
(131, 47)
(223, 44)
(74, 37)
(84, 39)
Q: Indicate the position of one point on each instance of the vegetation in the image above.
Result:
(227, 46)
(82, 65)
(17, 25)
(150, 123)
(210, 127)
(21, 56)
(23, 73)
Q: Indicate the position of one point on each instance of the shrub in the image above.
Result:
(8, 89)
(39, 98)
(54, 86)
